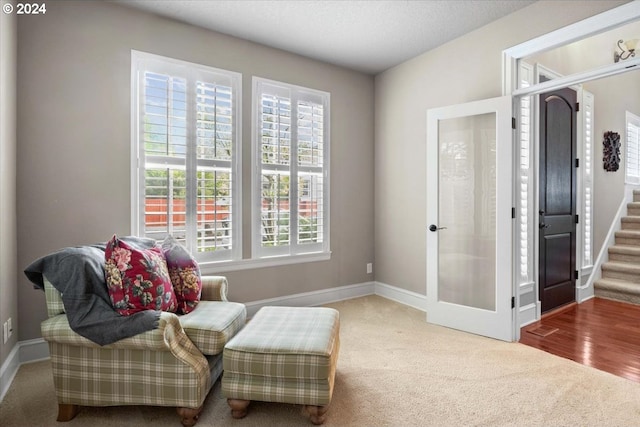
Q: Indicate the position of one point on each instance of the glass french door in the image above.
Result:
(469, 217)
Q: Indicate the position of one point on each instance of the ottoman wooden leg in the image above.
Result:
(238, 407)
(66, 412)
(317, 414)
(189, 416)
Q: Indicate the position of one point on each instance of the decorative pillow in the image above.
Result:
(137, 278)
(184, 273)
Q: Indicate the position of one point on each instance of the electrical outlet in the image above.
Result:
(5, 332)
(369, 268)
(9, 327)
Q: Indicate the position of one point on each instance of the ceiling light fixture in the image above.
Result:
(627, 50)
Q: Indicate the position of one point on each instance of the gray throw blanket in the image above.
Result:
(78, 273)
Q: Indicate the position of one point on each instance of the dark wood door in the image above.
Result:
(557, 220)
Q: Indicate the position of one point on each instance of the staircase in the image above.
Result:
(621, 274)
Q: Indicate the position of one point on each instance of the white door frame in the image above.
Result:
(497, 322)
(597, 24)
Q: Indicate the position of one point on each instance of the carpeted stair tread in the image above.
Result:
(618, 286)
(630, 222)
(624, 253)
(633, 208)
(628, 233)
(621, 266)
(627, 237)
(625, 249)
(621, 271)
(618, 290)
(624, 271)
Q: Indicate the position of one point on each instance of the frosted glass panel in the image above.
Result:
(467, 211)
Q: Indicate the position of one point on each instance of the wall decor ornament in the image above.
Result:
(611, 151)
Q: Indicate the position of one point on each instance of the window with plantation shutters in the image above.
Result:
(632, 151)
(185, 153)
(291, 181)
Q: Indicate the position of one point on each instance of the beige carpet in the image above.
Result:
(394, 370)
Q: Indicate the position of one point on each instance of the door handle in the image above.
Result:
(434, 227)
(543, 225)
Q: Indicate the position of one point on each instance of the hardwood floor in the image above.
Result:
(600, 333)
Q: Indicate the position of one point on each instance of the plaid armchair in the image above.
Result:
(173, 365)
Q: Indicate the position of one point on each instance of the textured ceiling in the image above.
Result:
(365, 35)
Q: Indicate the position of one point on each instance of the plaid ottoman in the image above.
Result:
(284, 354)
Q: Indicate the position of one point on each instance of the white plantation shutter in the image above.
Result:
(163, 135)
(632, 150)
(310, 198)
(185, 155)
(525, 192)
(587, 178)
(291, 169)
(275, 128)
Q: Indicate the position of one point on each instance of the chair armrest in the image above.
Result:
(169, 336)
(168, 333)
(214, 288)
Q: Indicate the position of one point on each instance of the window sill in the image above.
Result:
(248, 264)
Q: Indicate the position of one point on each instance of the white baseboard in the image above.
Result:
(314, 298)
(403, 296)
(8, 370)
(327, 296)
(527, 315)
(585, 293)
(22, 352)
(33, 350)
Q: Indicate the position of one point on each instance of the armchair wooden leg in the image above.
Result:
(238, 407)
(66, 412)
(189, 416)
(317, 414)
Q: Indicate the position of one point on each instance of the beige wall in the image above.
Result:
(466, 69)
(613, 96)
(8, 289)
(74, 140)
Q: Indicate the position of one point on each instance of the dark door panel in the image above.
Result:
(559, 155)
(557, 198)
(557, 247)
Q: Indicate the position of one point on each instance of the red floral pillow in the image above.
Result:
(137, 278)
(184, 273)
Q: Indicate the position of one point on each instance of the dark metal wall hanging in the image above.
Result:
(611, 151)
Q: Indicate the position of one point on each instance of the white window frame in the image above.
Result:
(293, 252)
(141, 62)
(632, 137)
